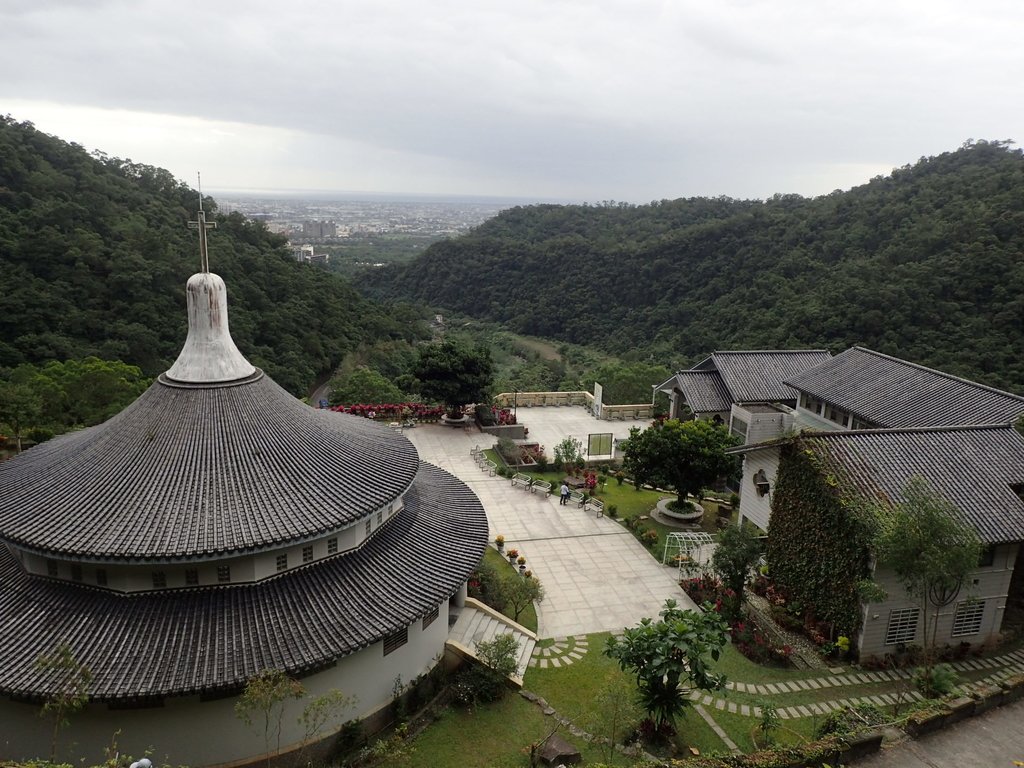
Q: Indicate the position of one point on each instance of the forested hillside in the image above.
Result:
(926, 264)
(95, 252)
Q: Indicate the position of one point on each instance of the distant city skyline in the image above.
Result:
(565, 100)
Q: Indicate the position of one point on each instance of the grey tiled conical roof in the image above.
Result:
(191, 470)
(209, 639)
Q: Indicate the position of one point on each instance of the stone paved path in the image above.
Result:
(887, 681)
(597, 577)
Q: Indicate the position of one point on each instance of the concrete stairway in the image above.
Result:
(478, 622)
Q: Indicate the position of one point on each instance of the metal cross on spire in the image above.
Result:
(202, 225)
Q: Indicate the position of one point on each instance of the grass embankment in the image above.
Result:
(528, 618)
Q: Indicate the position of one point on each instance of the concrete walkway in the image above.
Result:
(597, 577)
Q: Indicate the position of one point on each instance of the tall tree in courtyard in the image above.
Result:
(454, 374)
(931, 550)
(687, 456)
(736, 553)
(670, 656)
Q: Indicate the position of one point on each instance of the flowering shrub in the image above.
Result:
(649, 537)
(393, 411)
(746, 635)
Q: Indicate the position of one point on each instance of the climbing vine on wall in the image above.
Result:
(820, 539)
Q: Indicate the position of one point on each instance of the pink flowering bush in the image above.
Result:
(393, 411)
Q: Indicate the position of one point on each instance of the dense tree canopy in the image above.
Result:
(454, 374)
(95, 253)
(687, 456)
(923, 264)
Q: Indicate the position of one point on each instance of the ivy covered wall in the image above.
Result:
(820, 538)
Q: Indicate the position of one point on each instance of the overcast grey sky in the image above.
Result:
(577, 99)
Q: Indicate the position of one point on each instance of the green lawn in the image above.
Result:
(491, 735)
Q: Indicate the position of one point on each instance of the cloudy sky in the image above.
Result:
(545, 99)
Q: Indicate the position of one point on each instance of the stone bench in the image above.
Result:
(541, 485)
(522, 480)
(594, 505)
(577, 497)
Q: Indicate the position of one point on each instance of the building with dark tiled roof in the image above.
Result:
(864, 389)
(881, 421)
(709, 389)
(214, 529)
(979, 470)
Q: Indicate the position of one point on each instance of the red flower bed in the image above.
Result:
(746, 636)
(392, 411)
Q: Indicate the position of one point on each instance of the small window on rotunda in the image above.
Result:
(397, 640)
(51, 568)
(101, 577)
(307, 554)
(431, 617)
(223, 573)
(191, 577)
(380, 516)
(159, 580)
(332, 546)
(369, 527)
(76, 572)
(282, 562)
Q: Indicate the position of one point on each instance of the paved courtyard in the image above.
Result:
(596, 575)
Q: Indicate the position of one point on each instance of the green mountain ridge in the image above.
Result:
(925, 264)
(95, 253)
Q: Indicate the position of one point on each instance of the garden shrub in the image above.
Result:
(940, 680)
(849, 720)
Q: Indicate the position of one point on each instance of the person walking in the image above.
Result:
(564, 500)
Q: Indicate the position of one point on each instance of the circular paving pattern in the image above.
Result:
(561, 653)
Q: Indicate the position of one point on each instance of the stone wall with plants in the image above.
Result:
(820, 539)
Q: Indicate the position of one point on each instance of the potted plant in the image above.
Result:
(512, 555)
(522, 564)
(499, 542)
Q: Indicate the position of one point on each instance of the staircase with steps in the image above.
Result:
(478, 622)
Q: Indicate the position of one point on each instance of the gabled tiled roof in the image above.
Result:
(894, 393)
(190, 470)
(704, 391)
(213, 639)
(757, 376)
(972, 467)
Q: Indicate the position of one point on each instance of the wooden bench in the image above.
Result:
(522, 480)
(541, 485)
(577, 497)
(594, 505)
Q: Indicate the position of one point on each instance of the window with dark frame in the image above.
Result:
(51, 568)
(76, 572)
(307, 554)
(223, 573)
(101, 577)
(431, 617)
(332, 545)
(159, 580)
(191, 577)
(282, 562)
(393, 642)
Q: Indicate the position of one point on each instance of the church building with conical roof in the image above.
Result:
(215, 529)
